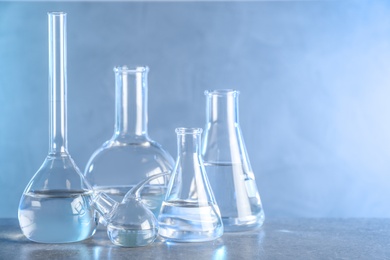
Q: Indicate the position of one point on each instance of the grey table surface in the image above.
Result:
(277, 239)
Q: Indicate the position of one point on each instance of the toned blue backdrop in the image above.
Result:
(314, 78)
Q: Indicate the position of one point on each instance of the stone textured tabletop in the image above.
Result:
(278, 239)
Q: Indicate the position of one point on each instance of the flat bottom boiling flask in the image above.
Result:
(189, 212)
(130, 156)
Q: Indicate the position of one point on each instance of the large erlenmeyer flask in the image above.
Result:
(227, 163)
(130, 156)
(56, 204)
(189, 212)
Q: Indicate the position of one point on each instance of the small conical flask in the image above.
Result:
(129, 223)
(56, 204)
(227, 163)
(189, 212)
(130, 156)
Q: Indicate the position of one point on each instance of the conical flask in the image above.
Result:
(130, 156)
(56, 204)
(189, 212)
(227, 163)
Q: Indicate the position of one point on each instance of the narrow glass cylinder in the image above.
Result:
(57, 83)
(227, 163)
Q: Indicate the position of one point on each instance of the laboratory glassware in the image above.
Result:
(129, 223)
(227, 163)
(189, 212)
(56, 204)
(130, 156)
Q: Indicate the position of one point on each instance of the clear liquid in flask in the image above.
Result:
(152, 195)
(128, 236)
(189, 221)
(242, 208)
(57, 216)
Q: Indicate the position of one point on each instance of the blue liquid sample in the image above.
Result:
(57, 216)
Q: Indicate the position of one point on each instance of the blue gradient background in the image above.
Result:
(314, 80)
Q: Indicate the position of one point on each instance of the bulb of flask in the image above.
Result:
(129, 223)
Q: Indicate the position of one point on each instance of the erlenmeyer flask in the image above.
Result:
(55, 206)
(227, 164)
(130, 156)
(189, 212)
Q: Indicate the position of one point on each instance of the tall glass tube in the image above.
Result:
(56, 204)
(57, 84)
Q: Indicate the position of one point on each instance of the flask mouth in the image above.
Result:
(222, 92)
(56, 13)
(185, 130)
(135, 69)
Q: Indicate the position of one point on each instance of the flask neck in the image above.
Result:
(222, 107)
(131, 90)
(58, 143)
(188, 144)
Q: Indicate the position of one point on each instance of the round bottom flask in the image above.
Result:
(130, 156)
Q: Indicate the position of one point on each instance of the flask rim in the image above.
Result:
(134, 69)
(222, 92)
(188, 130)
(56, 13)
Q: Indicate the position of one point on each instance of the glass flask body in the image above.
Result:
(130, 156)
(129, 223)
(189, 212)
(56, 204)
(227, 164)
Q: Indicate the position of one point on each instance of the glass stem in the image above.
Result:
(131, 103)
(104, 204)
(57, 84)
(135, 192)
